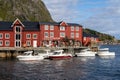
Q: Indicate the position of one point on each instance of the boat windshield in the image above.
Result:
(56, 53)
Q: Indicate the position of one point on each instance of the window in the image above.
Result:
(7, 43)
(1, 35)
(77, 28)
(28, 43)
(46, 27)
(1, 42)
(62, 28)
(72, 28)
(28, 36)
(72, 35)
(85, 38)
(18, 29)
(17, 36)
(51, 27)
(46, 34)
(7, 36)
(51, 34)
(62, 34)
(18, 44)
(77, 35)
(34, 36)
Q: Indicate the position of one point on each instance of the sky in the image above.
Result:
(100, 15)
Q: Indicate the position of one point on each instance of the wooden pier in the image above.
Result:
(11, 52)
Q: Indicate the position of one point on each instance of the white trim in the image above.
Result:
(1, 44)
(35, 37)
(15, 22)
(51, 27)
(6, 36)
(28, 41)
(2, 35)
(27, 36)
(63, 22)
(6, 42)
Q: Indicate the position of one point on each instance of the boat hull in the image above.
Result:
(59, 57)
(106, 54)
(85, 54)
(30, 58)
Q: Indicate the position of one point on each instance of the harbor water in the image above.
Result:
(77, 68)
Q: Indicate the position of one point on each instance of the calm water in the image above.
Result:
(77, 68)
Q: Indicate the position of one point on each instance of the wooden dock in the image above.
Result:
(11, 52)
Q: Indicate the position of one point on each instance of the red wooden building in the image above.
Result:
(89, 39)
(34, 34)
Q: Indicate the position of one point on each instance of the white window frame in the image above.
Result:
(77, 35)
(7, 36)
(77, 28)
(27, 36)
(62, 34)
(51, 27)
(19, 28)
(1, 43)
(1, 35)
(7, 41)
(46, 27)
(34, 36)
(28, 41)
(51, 34)
(46, 35)
(72, 28)
(72, 35)
(62, 28)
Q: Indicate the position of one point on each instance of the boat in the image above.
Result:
(45, 53)
(29, 55)
(85, 52)
(105, 52)
(59, 54)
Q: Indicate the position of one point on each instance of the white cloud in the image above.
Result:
(100, 15)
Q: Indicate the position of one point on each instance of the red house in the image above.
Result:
(89, 39)
(34, 34)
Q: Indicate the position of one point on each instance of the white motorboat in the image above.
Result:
(59, 54)
(105, 52)
(30, 56)
(45, 53)
(85, 52)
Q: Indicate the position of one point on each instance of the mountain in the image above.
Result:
(102, 36)
(25, 10)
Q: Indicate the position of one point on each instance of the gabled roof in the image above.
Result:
(16, 21)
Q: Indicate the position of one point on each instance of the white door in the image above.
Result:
(34, 43)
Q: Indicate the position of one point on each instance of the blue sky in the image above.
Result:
(99, 15)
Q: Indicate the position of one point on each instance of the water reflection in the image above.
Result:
(85, 59)
(107, 57)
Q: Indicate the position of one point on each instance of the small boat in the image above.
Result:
(85, 52)
(45, 53)
(105, 52)
(59, 54)
(29, 55)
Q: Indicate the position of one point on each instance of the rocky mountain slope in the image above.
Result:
(25, 10)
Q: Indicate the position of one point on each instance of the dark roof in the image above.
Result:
(5, 25)
(31, 25)
(89, 35)
(49, 23)
(58, 23)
